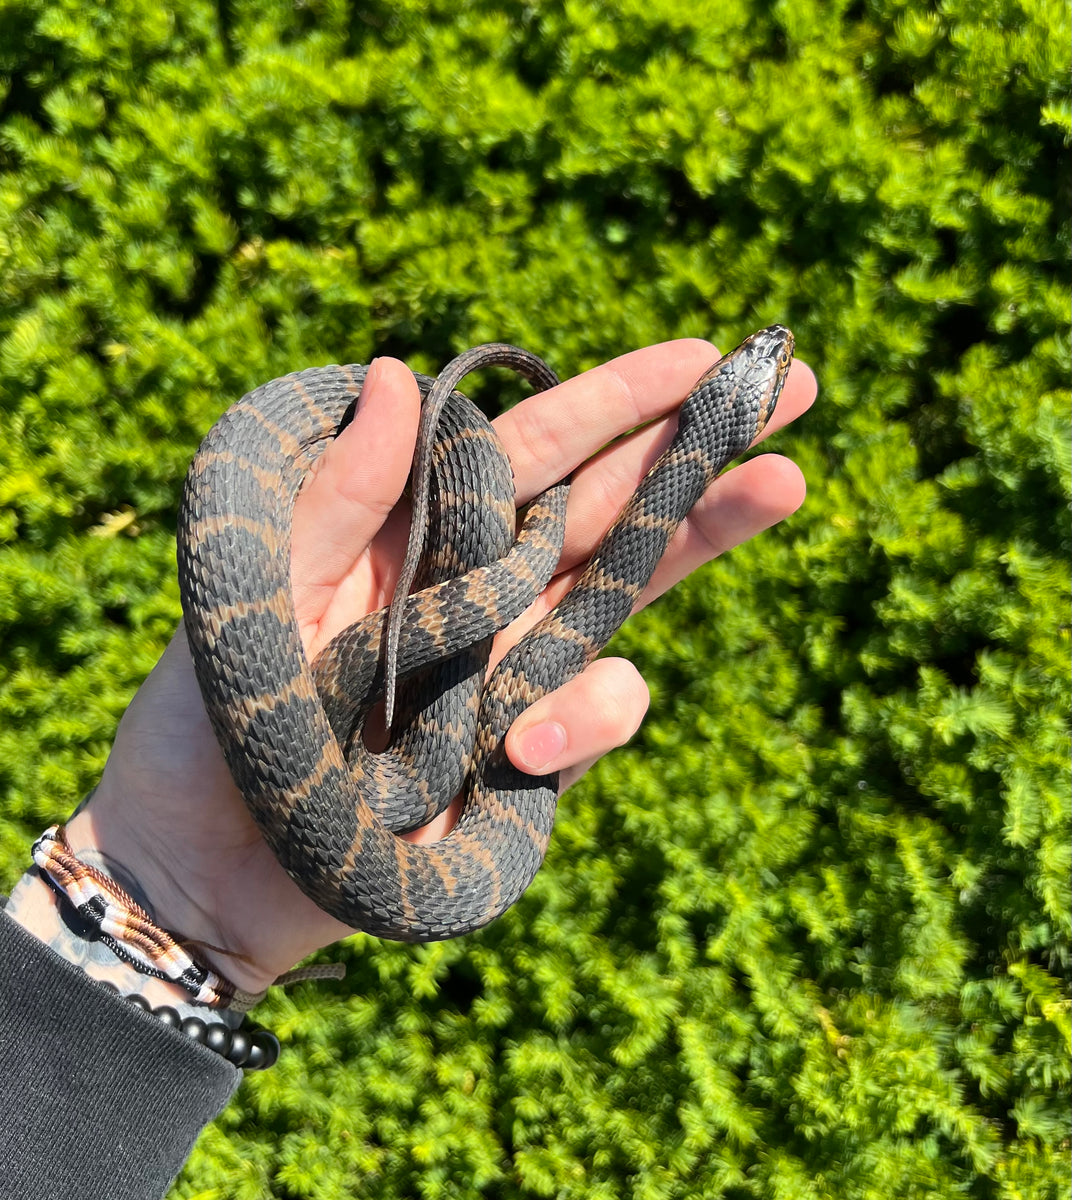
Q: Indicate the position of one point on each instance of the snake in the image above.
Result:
(292, 731)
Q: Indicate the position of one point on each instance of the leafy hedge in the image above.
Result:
(809, 935)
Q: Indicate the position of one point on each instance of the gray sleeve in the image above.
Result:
(96, 1098)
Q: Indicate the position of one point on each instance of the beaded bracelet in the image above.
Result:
(253, 1049)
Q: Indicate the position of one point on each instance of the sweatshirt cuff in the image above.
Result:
(99, 1098)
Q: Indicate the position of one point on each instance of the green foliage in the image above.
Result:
(809, 935)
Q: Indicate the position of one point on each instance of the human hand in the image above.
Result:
(166, 815)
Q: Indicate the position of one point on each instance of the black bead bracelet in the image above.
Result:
(251, 1049)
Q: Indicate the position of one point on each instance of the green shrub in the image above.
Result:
(808, 936)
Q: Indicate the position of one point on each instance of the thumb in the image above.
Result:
(346, 499)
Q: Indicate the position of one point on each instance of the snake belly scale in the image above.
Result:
(290, 730)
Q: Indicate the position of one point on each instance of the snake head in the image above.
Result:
(738, 394)
(763, 360)
(778, 348)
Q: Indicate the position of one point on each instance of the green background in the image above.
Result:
(808, 935)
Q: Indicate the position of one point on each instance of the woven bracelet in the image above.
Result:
(115, 918)
(124, 926)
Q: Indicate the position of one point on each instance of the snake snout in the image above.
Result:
(771, 352)
(775, 343)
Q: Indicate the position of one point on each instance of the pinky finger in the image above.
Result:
(567, 730)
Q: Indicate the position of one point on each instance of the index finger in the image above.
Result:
(550, 434)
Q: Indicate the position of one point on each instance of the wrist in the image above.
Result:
(36, 907)
(180, 916)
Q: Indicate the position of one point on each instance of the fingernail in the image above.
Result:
(541, 745)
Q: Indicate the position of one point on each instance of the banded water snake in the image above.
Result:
(290, 730)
